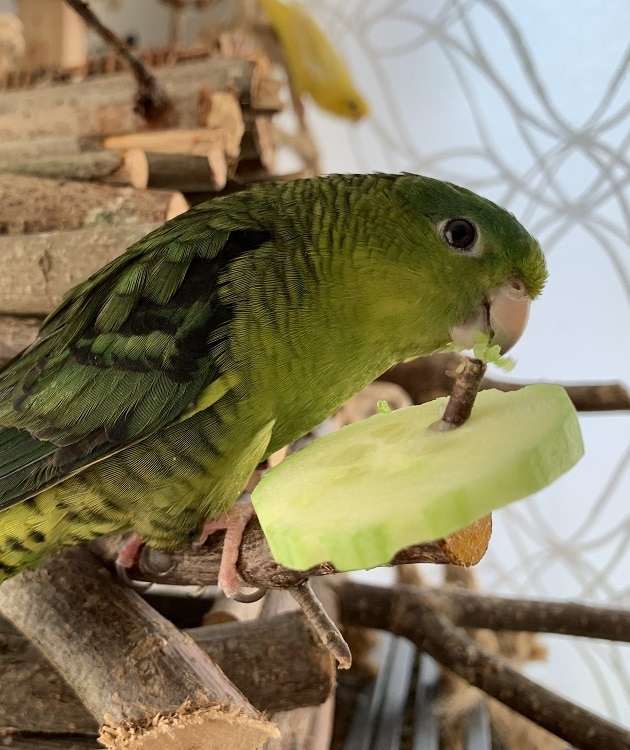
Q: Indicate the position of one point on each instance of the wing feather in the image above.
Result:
(125, 354)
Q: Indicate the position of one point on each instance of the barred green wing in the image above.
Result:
(125, 354)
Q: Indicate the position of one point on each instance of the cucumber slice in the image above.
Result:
(358, 496)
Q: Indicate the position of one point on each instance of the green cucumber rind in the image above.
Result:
(304, 530)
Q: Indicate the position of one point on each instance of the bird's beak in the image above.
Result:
(503, 315)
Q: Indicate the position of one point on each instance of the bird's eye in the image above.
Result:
(460, 234)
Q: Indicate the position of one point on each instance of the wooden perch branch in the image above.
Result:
(405, 613)
(147, 683)
(324, 626)
(151, 101)
(586, 397)
(426, 378)
(257, 567)
(276, 662)
(469, 609)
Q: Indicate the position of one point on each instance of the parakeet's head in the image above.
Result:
(487, 266)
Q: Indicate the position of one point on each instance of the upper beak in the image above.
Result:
(503, 315)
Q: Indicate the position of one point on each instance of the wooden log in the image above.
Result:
(102, 166)
(33, 695)
(147, 683)
(185, 172)
(39, 204)
(111, 117)
(180, 80)
(105, 104)
(41, 268)
(17, 152)
(275, 662)
(16, 334)
(307, 727)
(257, 567)
(585, 396)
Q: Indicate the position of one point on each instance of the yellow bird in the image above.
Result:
(313, 64)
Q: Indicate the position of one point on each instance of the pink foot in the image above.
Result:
(234, 522)
(128, 556)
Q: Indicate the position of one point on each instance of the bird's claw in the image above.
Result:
(127, 558)
(243, 598)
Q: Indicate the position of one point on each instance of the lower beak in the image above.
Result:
(503, 315)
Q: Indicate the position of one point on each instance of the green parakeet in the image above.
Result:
(157, 386)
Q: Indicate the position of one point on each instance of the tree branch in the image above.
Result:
(469, 609)
(425, 379)
(151, 101)
(277, 662)
(325, 628)
(257, 567)
(586, 397)
(405, 613)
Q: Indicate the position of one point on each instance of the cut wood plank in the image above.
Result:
(198, 141)
(267, 94)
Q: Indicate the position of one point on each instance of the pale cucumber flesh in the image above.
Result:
(358, 496)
